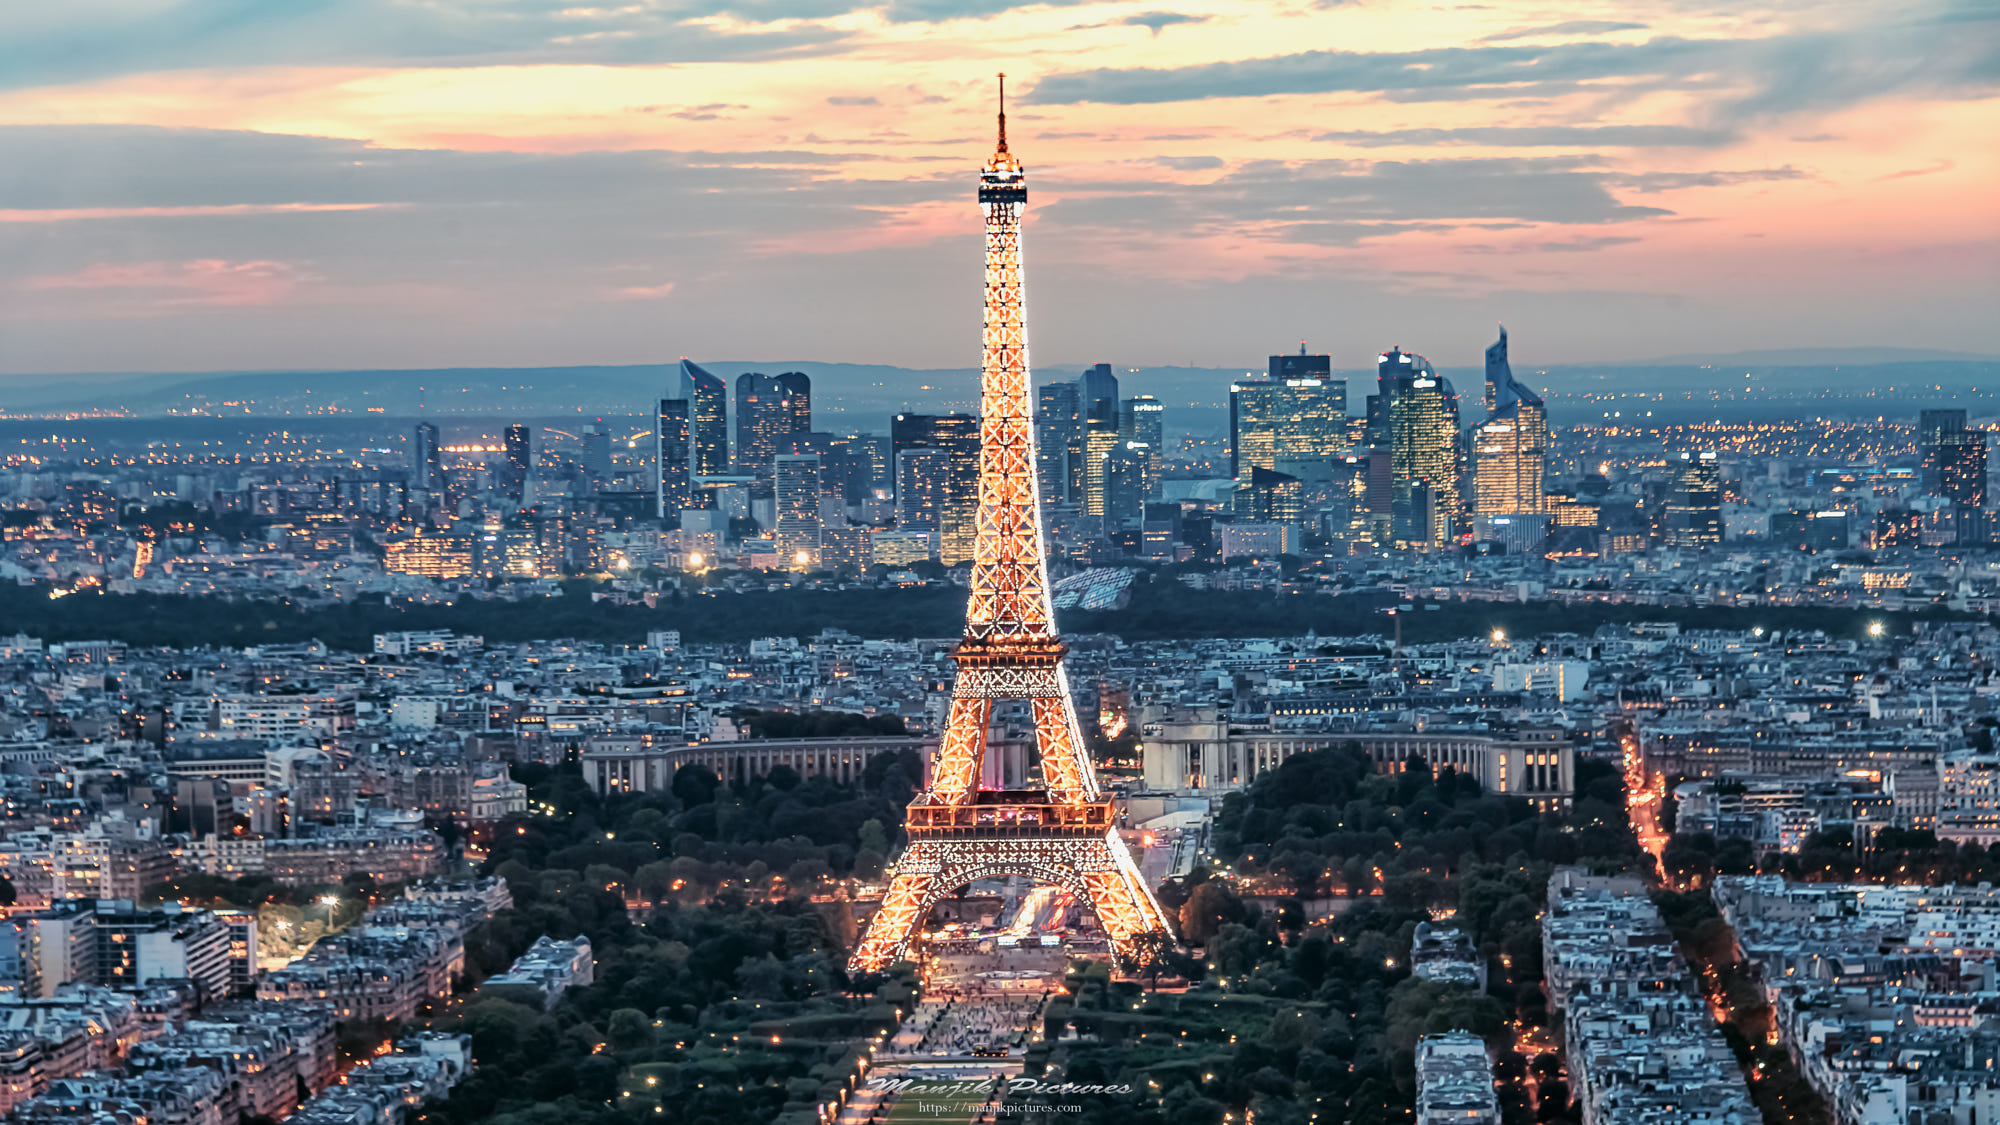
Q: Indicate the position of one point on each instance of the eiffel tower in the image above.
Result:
(1063, 832)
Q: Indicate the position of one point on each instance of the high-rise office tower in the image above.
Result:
(1510, 448)
(769, 410)
(597, 454)
(958, 436)
(708, 419)
(1058, 430)
(923, 478)
(1694, 512)
(520, 460)
(1270, 497)
(673, 458)
(1142, 420)
(1097, 394)
(880, 457)
(1308, 415)
(427, 459)
(1253, 426)
(1100, 437)
(1128, 481)
(1954, 457)
(1423, 452)
(796, 486)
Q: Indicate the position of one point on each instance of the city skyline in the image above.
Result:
(615, 186)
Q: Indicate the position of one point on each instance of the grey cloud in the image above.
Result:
(1532, 136)
(1342, 201)
(853, 99)
(101, 38)
(1585, 245)
(1567, 27)
(1188, 163)
(1154, 21)
(1650, 182)
(1929, 53)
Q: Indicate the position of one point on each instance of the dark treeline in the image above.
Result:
(726, 1002)
(1294, 1021)
(1161, 609)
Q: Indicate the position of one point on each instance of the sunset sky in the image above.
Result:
(232, 184)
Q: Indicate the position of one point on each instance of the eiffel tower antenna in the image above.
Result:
(1063, 831)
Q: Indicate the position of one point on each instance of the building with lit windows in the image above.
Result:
(520, 464)
(427, 459)
(430, 555)
(1058, 431)
(1423, 450)
(796, 485)
(770, 411)
(673, 459)
(1693, 516)
(1954, 458)
(1253, 430)
(708, 419)
(1510, 448)
(953, 478)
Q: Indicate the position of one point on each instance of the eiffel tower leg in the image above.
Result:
(892, 927)
(1131, 917)
(955, 770)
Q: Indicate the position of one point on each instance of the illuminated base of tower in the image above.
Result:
(1090, 861)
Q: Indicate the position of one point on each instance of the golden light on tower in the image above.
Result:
(1065, 831)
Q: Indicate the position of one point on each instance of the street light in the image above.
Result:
(1874, 628)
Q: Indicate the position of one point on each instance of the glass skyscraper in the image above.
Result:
(1510, 449)
(1423, 449)
(708, 419)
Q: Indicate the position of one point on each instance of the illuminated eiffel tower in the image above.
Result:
(1063, 832)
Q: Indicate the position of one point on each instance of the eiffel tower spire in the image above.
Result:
(1064, 831)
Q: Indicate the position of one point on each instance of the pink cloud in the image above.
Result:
(202, 281)
(644, 292)
(71, 214)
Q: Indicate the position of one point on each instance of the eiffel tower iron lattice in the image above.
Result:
(1064, 833)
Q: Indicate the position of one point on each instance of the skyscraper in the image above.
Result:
(769, 410)
(1128, 478)
(520, 460)
(1143, 419)
(922, 479)
(1510, 449)
(1954, 457)
(1253, 428)
(1694, 512)
(1308, 416)
(795, 483)
(597, 454)
(1100, 437)
(708, 419)
(958, 436)
(427, 459)
(1423, 451)
(672, 455)
(1097, 394)
(1058, 428)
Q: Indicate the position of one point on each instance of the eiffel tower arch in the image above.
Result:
(1065, 831)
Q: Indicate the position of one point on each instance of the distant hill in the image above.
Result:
(1814, 357)
(849, 396)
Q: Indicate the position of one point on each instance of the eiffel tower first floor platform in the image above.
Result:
(1071, 845)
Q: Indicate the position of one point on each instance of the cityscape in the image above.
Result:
(1343, 736)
